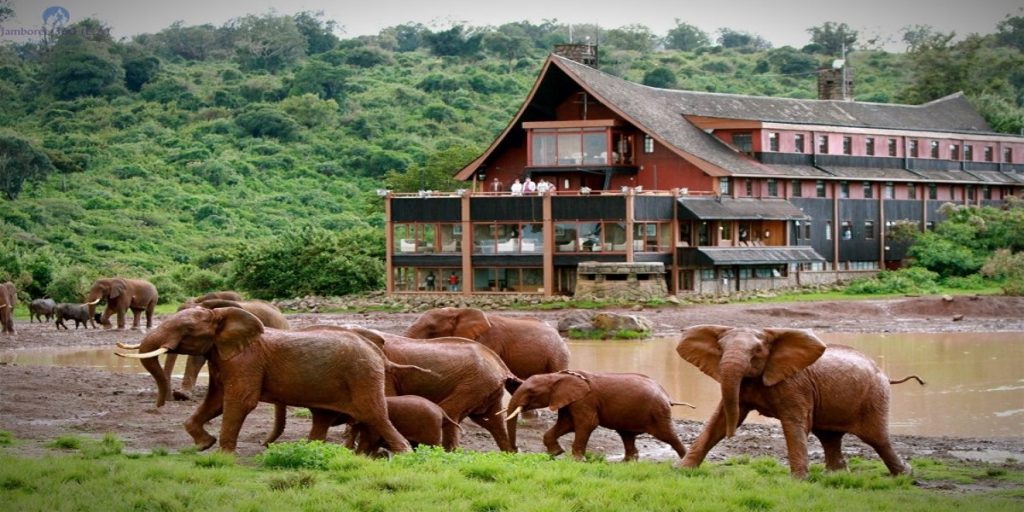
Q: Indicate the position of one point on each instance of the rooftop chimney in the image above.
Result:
(836, 83)
(585, 54)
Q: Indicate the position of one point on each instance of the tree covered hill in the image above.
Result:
(247, 155)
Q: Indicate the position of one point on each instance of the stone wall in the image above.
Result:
(625, 281)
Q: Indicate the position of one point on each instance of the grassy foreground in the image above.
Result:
(85, 474)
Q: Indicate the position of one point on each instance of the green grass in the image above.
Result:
(604, 334)
(328, 477)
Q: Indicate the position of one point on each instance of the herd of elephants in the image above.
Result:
(454, 363)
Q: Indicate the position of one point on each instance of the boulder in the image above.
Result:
(619, 322)
(579, 320)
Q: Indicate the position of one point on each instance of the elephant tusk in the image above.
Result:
(691, 406)
(499, 413)
(514, 413)
(147, 355)
(4, 306)
(93, 303)
(128, 347)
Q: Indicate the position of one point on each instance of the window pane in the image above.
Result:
(869, 229)
(798, 143)
(533, 238)
(823, 144)
(743, 142)
(869, 146)
(570, 149)
(615, 236)
(544, 149)
(595, 150)
(483, 238)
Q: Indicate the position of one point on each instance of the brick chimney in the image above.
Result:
(831, 82)
(585, 54)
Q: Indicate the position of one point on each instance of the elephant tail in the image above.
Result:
(915, 377)
(512, 383)
(674, 403)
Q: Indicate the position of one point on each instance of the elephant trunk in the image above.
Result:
(163, 389)
(732, 378)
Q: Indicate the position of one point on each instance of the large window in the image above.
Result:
(590, 236)
(869, 146)
(911, 191)
(503, 238)
(968, 152)
(823, 144)
(988, 153)
(819, 188)
(795, 188)
(892, 147)
(933, 191)
(844, 189)
(934, 149)
(427, 238)
(773, 141)
(427, 279)
(913, 149)
(580, 146)
(868, 190)
(798, 143)
(723, 186)
(743, 142)
(773, 187)
(1008, 155)
(847, 145)
(652, 236)
(954, 152)
(508, 279)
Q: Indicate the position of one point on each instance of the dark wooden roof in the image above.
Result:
(754, 255)
(727, 208)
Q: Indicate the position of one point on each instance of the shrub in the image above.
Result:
(906, 280)
(300, 455)
(1005, 265)
(267, 122)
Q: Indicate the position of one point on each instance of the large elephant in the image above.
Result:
(465, 379)
(41, 308)
(628, 403)
(338, 372)
(265, 311)
(8, 300)
(789, 374)
(77, 312)
(528, 346)
(121, 295)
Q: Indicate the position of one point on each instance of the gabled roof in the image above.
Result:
(662, 113)
(727, 208)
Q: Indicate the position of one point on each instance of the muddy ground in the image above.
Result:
(39, 404)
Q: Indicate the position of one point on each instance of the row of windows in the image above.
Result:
(493, 279)
(888, 189)
(741, 141)
(504, 237)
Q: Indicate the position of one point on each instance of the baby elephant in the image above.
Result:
(828, 390)
(628, 403)
(419, 420)
(77, 312)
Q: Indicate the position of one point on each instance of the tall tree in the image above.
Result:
(82, 62)
(319, 33)
(631, 37)
(268, 43)
(20, 162)
(686, 37)
(508, 42)
(1011, 32)
(833, 37)
(454, 42)
(740, 40)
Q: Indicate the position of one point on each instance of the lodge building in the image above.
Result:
(728, 192)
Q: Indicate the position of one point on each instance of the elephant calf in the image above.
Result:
(419, 420)
(628, 403)
(77, 312)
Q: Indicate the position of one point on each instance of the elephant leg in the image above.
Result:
(883, 446)
(561, 427)
(238, 403)
(280, 412)
(832, 443)
(105, 317)
(169, 363)
(583, 427)
(149, 318)
(795, 433)
(322, 421)
(120, 318)
(212, 406)
(136, 317)
(714, 431)
(192, 367)
(496, 427)
(665, 433)
(629, 444)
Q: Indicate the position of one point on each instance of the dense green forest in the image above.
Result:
(247, 155)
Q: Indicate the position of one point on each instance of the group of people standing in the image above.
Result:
(527, 187)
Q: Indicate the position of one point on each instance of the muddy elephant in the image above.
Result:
(121, 295)
(8, 300)
(338, 372)
(419, 420)
(223, 295)
(628, 403)
(528, 346)
(41, 308)
(789, 374)
(265, 311)
(77, 312)
(464, 378)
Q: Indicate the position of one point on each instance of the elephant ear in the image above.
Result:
(569, 388)
(238, 328)
(117, 287)
(471, 323)
(699, 346)
(792, 350)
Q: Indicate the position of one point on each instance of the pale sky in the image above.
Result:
(781, 22)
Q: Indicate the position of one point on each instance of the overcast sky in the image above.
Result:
(781, 22)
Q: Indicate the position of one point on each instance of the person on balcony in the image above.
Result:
(517, 188)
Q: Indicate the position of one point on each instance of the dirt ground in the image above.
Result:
(39, 404)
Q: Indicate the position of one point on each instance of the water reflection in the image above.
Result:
(975, 381)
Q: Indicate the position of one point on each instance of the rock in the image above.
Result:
(617, 322)
(580, 320)
(947, 298)
(959, 317)
(672, 299)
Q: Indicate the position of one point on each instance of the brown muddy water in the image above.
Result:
(975, 380)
